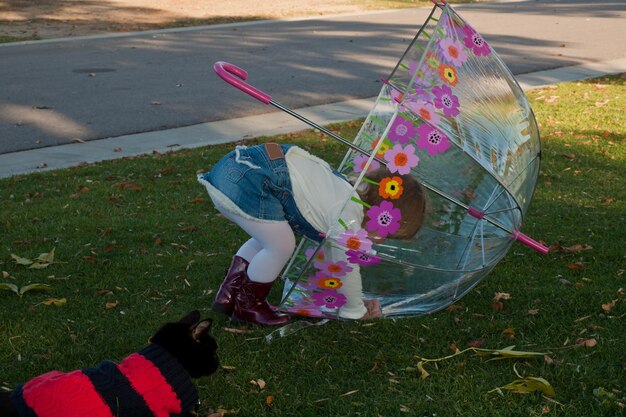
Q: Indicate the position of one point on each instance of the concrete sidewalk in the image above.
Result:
(57, 157)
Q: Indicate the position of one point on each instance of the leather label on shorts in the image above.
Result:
(274, 151)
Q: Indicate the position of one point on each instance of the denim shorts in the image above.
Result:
(260, 187)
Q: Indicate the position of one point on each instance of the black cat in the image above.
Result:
(155, 381)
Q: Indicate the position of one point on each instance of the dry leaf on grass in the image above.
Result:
(609, 306)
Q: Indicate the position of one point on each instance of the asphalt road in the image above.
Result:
(58, 92)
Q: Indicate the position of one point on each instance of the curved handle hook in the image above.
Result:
(235, 76)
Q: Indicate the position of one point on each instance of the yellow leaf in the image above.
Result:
(54, 301)
(21, 261)
(420, 367)
(46, 257)
(35, 287)
(38, 265)
(10, 287)
(530, 384)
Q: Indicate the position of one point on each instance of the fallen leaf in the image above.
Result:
(548, 360)
(569, 156)
(501, 296)
(454, 348)
(58, 302)
(532, 312)
(259, 383)
(269, 400)
(575, 266)
(476, 343)
(236, 331)
(530, 384)
(111, 305)
(497, 306)
(586, 342)
(10, 287)
(5, 274)
(35, 287)
(454, 307)
(420, 367)
(509, 333)
(608, 306)
(21, 261)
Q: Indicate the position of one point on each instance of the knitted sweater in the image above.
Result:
(148, 383)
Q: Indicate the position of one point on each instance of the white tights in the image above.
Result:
(269, 248)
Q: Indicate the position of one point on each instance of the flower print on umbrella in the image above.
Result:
(426, 111)
(320, 255)
(432, 139)
(475, 42)
(362, 258)
(333, 269)
(448, 74)
(390, 187)
(355, 240)
(401, 160)
(384, 147)
(329, 299)
(453, 51)
(402, 130)
(359, 163)
(446, 101)
(384, 219)
(329, 283)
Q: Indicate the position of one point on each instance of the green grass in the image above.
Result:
(142, 233)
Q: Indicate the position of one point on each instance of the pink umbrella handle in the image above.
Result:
(235, 76)
(531, 243)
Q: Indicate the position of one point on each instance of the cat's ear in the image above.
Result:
(201, 330)
(191, 318)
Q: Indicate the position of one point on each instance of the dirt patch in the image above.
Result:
(45, 19)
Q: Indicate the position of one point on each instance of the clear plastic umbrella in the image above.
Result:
(451, 115)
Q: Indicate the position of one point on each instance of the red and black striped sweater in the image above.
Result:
(148, 383)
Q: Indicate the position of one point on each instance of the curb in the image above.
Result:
(226, 131)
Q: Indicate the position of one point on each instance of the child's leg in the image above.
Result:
(270, 247)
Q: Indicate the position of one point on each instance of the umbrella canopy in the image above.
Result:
(452, 116)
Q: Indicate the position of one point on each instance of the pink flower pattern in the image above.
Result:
(453, 51)
(446, 101)
(383, 220)
(360, 161)
(329, 299)
(432, 139)
(333, 269)
(475, 42)
(362, 258)
(401, 160)
(355, 240)
(402, 130)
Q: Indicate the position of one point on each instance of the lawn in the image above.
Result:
(137, 243)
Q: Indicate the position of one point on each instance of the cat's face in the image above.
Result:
(189, 341)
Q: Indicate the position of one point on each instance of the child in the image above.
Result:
(273, 191)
